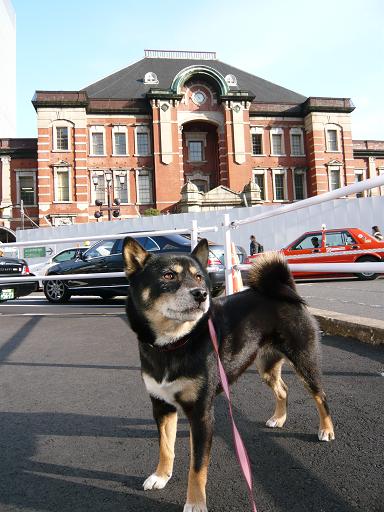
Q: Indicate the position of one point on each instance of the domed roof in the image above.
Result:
(189, 187)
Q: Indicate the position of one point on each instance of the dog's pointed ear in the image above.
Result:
(134, 256)
(201, 252)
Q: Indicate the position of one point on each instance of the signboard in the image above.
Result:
(35, 252)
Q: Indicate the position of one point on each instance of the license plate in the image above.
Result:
(7, 293)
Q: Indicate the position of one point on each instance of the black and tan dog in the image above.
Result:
(168, 308)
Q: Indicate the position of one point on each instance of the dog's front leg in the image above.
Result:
(166, 419)
(201, 432)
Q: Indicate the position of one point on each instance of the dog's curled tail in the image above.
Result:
(270, 275)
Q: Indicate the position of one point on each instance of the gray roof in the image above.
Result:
(128, 83)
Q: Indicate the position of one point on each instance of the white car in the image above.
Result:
(41, 269)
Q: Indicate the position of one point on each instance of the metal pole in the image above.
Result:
(194, 234)
(227, 255)
(22, 213)
(109, 201)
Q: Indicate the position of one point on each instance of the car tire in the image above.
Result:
(56, 292)
(367, 276)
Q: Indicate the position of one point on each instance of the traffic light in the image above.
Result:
(98, 215)
(116, 213)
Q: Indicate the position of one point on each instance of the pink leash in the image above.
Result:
(241, 452)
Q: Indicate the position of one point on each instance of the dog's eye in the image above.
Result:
(199, 278)
(169, 276)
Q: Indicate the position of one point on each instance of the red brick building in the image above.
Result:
(180, 131)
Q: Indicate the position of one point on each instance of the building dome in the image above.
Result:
(189, 188)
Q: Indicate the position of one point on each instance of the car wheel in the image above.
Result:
(367, 276)
(56, 292)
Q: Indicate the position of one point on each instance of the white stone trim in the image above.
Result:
(264, 173)
(143, 128)
(277, 131)
(97, 128)
(332, 127)
(61, 123)
(120, 129)
(297, 131)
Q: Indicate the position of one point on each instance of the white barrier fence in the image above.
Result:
(227, 226)
(340, 268)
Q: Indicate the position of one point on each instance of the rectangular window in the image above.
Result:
(334, 179)
(62, 138)
(279, 187)
(27, 189)
(277, 144)
(257, 144)
(100, 188)
(296, 144)
(62, 185)
(332, 140)
(144, 187)
(97, 143)
(359, 176)
(259, 180)
(120, 146)
(142, 143)
(195, 149)
(299, 185)
(121, 187)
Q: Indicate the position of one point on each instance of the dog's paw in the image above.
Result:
(195, 507)
(276, 422)
(326, 435)
(155, 482)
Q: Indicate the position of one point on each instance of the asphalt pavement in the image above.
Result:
(76, 429)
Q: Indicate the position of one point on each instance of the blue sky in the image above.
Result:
(330, 48)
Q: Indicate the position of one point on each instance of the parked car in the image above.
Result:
(345, 245)
(14, 288)
(106, 256)
(41, 269)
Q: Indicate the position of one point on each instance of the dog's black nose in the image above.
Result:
(199, 294)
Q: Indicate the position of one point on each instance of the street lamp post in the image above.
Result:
(112, 209)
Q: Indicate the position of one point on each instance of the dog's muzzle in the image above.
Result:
(199, 294)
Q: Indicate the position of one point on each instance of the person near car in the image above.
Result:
(254, 246)
(377, 233)
(315, 242)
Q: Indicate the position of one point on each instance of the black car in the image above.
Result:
(14, 288)
(106, 256)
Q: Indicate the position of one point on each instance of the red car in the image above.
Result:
(345, 245)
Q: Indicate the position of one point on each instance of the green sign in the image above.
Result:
(35, 252)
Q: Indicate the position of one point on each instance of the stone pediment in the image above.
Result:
(221, 193)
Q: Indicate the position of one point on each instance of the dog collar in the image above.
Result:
(172, 346)
(169, 347)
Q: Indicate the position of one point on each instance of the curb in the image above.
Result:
(367, 330)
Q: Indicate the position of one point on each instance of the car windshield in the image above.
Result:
(65, 255)
(103, 248)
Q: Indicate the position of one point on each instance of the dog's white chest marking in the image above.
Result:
(167, 390)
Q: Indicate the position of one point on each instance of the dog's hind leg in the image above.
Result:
(306, 365)
(269, 364)
(166, 420)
